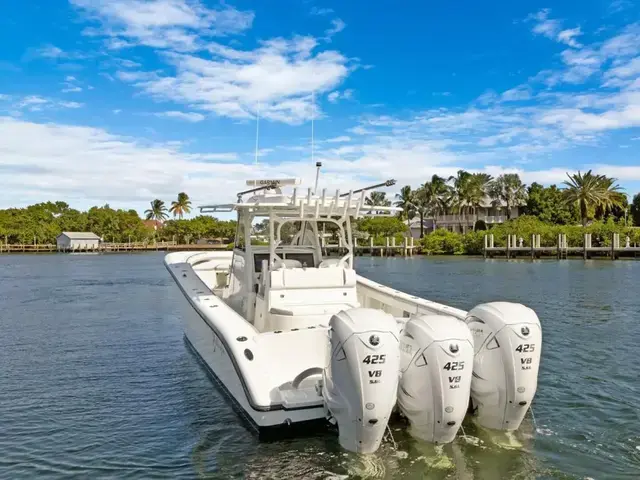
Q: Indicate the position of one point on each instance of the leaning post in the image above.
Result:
(533, 246)
(586, 245)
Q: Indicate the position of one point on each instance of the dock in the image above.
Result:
(111, 247)
(389, 248)
(515, 249)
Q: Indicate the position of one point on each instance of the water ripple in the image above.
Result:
(97, 382)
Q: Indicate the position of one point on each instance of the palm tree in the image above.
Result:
(439, 194)
(508, 188)
(468, 191)
(403, 201)
(157, 211)
(590, 191)
(378, 199)
(420, 201)
(181, 206)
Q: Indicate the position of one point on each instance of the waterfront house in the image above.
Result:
(413, 226)
(78, 241)
(491, 212)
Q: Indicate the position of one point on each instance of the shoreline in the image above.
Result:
(445, 256)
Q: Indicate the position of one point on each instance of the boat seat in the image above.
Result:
(286, 263)
(287, 317)
(329, 263)
(313, 309)
(300, 278)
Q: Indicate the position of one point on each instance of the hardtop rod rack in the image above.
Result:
(274, 184)
(387, 183)
(257, 189)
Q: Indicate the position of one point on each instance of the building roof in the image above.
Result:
(415, 222)
(155, 224)
(80, 235)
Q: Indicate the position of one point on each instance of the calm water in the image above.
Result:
(96, 381)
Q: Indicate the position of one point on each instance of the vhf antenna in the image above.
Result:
(257, 130)
(313, 111)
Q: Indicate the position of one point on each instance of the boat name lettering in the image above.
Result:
(374, 359)
(405, 347)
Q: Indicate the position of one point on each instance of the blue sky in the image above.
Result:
(123, 101)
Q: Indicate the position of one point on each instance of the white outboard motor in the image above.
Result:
(507, 340)
(436, 365)
(361, 380)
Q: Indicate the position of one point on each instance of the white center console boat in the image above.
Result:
(292, 336)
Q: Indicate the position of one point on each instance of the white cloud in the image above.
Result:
(552, 29)
(521, 92)
(35, 103)
(174, 24)
(337, 25)
(51, 51)
(320, 11)
(568, 37)
(277, 78)
(127, 63)
(625, 71)
(187, 116)
(71, 104)
(341, 139)
(32, 100)
(625, 44)
(72, 85)
(86, 166)
(606, 58)
(71, 162)
(545, 26)
(333, 97)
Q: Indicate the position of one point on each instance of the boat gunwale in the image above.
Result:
(383, 290)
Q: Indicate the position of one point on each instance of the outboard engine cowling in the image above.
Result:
(361, 380)
(436, 365)
(508, 340)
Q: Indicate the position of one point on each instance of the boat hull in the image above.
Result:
(213, 353)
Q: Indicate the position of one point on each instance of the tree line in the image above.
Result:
(583, 198)
(43, 222)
